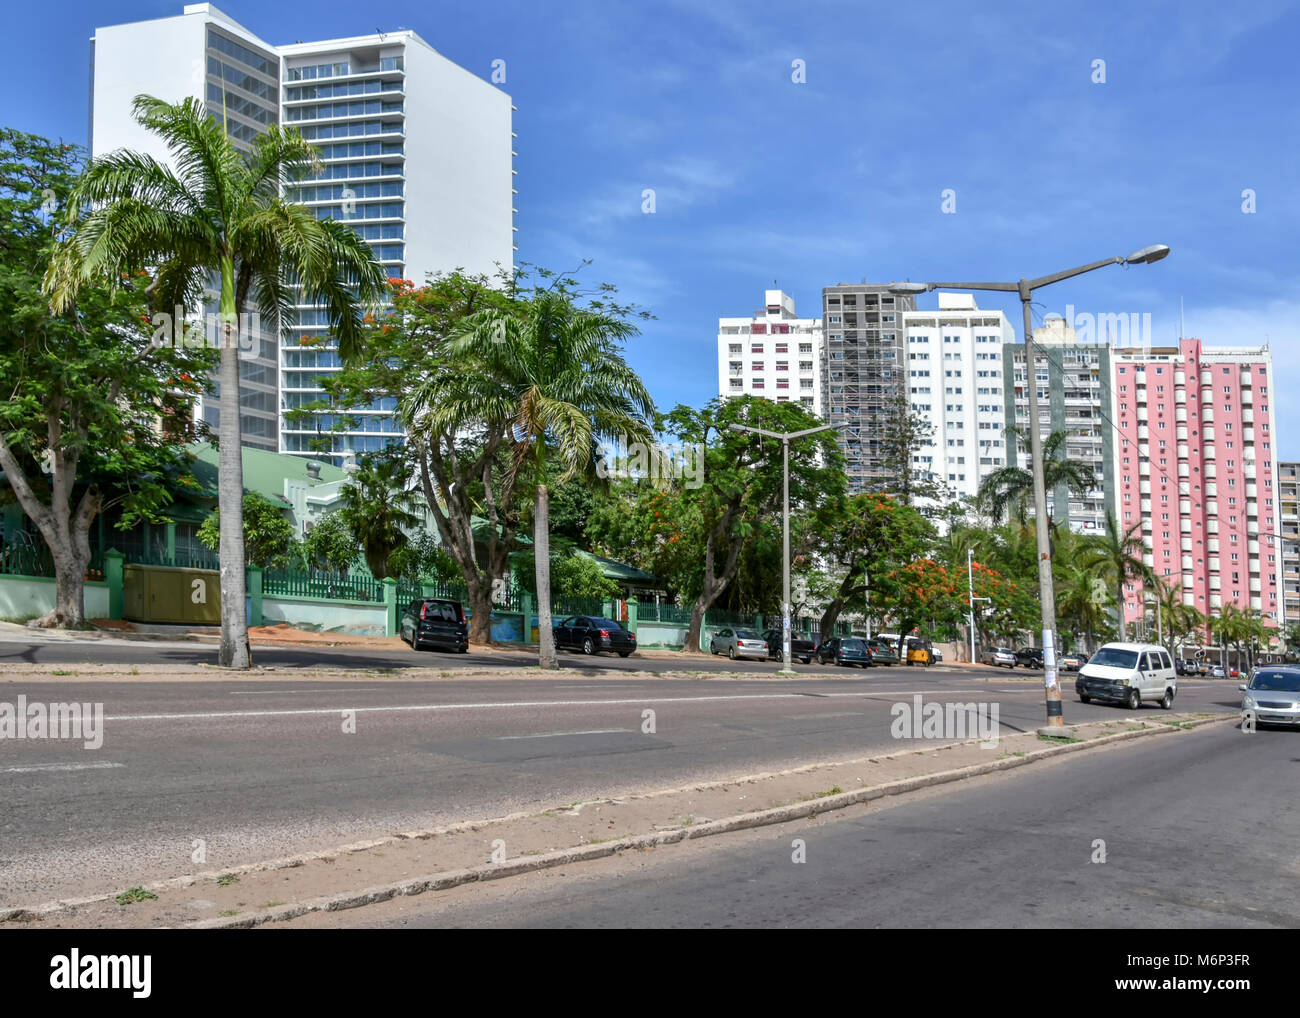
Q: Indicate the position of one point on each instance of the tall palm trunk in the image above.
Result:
(546, 656)
(1119, 601)
(234, 651)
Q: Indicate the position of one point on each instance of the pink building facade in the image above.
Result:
(1196, 473)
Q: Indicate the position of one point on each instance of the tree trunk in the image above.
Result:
(234, 652)
(546, 656)
(480, 620)
(1123, 629)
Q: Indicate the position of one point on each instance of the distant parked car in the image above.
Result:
(1072, 662)
(591, 635)
(1217, 672)
(882, 653)
(1030, 657)
(739, 643)
(845, 650)
(435, 622)
(800, 648)
(998, 656)
(1272, 695)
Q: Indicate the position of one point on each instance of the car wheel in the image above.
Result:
(1085, 698)
(805, 660)
(1167, 701)
(1134, 699)
(731, 652)
(624, 653)
(588, 647)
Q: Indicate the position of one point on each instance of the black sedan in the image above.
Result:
(847, 650)
(591, 635)
(1030, 657)
(800, 649)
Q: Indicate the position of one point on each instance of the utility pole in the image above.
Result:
(1046, 588)
(784, 437)
(970, 584)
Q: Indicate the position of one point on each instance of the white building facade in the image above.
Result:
(954, 369)
(417, 155)
(773, 354)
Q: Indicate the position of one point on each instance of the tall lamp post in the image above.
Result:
(785, 437)
(1025, 288)
(970, 586)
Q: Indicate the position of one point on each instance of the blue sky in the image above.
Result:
(840, 178)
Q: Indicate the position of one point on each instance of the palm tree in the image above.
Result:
(378, 509)
(1077, 602)
(556, 371)
(218, 214)
(1116, 557)
(1010, 490)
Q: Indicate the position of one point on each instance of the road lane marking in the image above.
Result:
(32, 768)
(552, 735)
(515, 704)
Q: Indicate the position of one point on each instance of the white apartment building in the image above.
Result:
(773, 354)
(417, 155)
(954, 371)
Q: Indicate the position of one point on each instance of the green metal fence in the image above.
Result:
(329, 586)
(562, 607)
(667, 613)
(36, 560)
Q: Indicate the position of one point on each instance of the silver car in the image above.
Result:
(739, 643)
(1272, 696)
(997, 656)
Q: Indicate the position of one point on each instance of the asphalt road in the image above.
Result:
(260, 767)
(1200, 829)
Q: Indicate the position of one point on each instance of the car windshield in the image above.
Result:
(1113, 657)
(1280, 682)
(606, 624)
(852, 645)
(747, 634)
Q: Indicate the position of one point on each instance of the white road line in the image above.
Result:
(552, 735)
(815, 717)
(640, 701)
(30, 768)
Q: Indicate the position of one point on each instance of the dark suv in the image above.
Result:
(1030, 657)
(435, 622)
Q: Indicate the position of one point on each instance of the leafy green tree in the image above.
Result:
(1115, 556)
(330, 545)
(379, 509)
(905, 431)
(1010, 490)
(741, 484)
(422, 558)
(572, 575)
(220, 214)
(93, 415)
(868, 535)
(556, 370)
(269, 537)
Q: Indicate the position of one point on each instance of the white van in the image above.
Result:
(1129, 673)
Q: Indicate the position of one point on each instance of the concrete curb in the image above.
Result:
(740, 822)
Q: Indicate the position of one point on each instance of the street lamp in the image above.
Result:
(785, 437)
(970, 586)
(1025, 288)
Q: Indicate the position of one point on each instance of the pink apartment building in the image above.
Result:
(1196, 472)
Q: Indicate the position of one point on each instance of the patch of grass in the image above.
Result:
(833, 790)
(135, 894)
(60, 671)
(226, 879)
(226, 913)
(1058, 739)
(273, 904)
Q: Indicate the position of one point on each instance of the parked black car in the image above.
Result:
(800, 649)
(844, 650)
(435, 622)
(1030, 657)
(590, 635)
